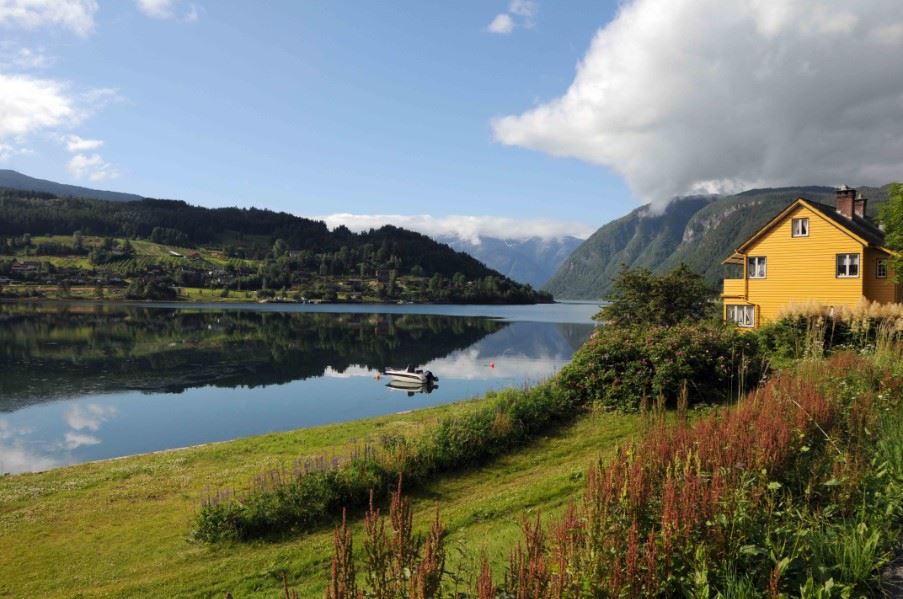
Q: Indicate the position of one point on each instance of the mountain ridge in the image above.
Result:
(11, 179)
(696, 230)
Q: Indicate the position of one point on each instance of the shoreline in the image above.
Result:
(248, 438)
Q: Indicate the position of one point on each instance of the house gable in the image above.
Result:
(814, 210)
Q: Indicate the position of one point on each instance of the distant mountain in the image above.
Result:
(531, 261)
(16, 180)
(699, 231)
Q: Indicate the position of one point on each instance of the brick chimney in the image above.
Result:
(859, 205)
(845, 199)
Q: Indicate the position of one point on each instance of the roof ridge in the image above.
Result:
(861, 226)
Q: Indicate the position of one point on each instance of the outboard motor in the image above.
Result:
(430, 377)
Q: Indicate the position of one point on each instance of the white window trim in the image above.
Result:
(751, 273)
(793, 222)
(878, 263)
(858, 266)
(748, 310)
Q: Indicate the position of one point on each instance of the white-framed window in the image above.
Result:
(799, 227)
(742, 315)
(881, 268)
(755, 267)
(847, 266)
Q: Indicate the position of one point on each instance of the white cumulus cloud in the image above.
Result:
(75, 15)
(7, 151)
(523, 8)
(74, 143)
(520, 13)
(28, 104)
(502, 23)
(17, 58)
(706, 95)
(167, 9)
(92, 167)
(467, 228)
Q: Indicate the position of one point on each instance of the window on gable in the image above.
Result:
(800, 227)
(847, 266)
(881, 269)
(755, 267)
(742, 316)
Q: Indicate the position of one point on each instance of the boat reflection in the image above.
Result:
(411, 387)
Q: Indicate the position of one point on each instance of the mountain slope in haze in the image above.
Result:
(532, 261)
(698, 231)
(638, 239)
(16, 180)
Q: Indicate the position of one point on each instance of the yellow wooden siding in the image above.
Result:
(802, 269)
(878, 290)
(734, 288)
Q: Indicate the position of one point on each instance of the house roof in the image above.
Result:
(861, 229)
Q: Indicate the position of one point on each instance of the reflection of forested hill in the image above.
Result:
(52, 352)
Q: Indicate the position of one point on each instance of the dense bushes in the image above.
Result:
(281, 501)
(641, 298)
(619, 366)
(152, 288)
(812, 330)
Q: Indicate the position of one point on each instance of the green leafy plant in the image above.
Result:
(641, 298)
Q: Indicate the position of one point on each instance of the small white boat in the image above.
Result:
(412, 374)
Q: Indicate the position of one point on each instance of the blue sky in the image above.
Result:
(317, 107)
(560, 116)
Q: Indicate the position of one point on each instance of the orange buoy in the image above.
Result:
(492, 364)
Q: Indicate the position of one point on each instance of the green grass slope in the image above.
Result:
(120, 528)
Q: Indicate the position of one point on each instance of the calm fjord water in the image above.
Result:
(81, 382)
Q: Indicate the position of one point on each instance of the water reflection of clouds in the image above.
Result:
(76, 440)
(89, 417)
(20, 454)
(15, 456)
(472, 365)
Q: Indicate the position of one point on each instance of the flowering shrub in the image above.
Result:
(620, 366)
(797, 490)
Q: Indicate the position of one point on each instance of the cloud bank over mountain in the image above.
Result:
(466, 228)
(707, 96)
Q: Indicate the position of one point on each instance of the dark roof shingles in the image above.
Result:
(860, 226)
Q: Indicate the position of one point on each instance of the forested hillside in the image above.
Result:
(233, 249)
(698, 231)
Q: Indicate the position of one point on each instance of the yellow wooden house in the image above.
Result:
(810, 252)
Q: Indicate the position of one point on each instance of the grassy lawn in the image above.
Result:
(120, 528)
